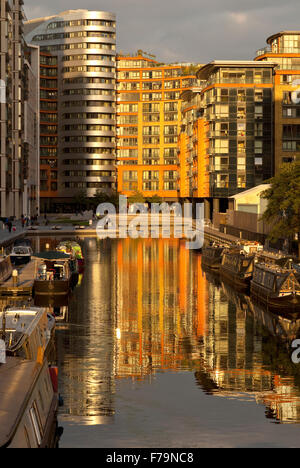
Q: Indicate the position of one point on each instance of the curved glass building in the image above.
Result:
(84, 44)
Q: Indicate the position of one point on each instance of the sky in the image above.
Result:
(196, 31)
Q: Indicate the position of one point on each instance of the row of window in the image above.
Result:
(88, 69)
(88, 162)
(88, 139)
(89, 104)
(81, 22)
(89, 128)
(147, 140)
(88, 115)
(149, 186)
(88, 57)
(148, 153)
(87, 150)
(149, 175)
(149, 74)
(88, 185)
(89, 80)
(88, 173)
(149, 85)
(148, 108)
(88, 92)
(136, 97)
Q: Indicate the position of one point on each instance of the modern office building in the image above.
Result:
(83, 151)
(284, 50)
(19, 115)
(148, 121)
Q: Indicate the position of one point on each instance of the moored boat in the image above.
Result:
(27, 332)
(6, 269)
(54, 275)
(238, 264)
(28, 409)
(278, 287)
(212, 256)
(21, 255)
(74, 249)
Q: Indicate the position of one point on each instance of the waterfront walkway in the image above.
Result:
(56, 229)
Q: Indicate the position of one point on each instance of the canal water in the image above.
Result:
(156, 352)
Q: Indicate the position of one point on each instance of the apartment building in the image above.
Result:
(193, 174)
(148, 121)
(19, 102)
(78, 96)
(48, 131)
(230, 146)
(30, 168)
(284, 50)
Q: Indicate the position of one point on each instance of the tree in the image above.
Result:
(283, 210)
(99, 198)
(154, 199)
(137, 197)
(80, 200)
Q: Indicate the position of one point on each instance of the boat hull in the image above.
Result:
(290, 303)
(80, 265)
(239, 281)
(20, 260)
(52, 288)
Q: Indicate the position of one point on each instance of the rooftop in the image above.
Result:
(204, 72)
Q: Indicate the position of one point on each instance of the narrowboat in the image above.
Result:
(238, 264)
(29, 387)
(6, 269)
(21, 255)
(74, 249)
(212, 256)
(28, 408)
(54, 275)
(27, 331)
(277, 287)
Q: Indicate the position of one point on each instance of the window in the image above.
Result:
(36, 422)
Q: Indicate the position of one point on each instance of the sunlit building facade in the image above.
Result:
(148, 120)
(284, 50)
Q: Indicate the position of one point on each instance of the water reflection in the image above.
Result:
(247, 355)
(146, 306)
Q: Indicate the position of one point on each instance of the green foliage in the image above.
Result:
(102, 197)
(154, 199)
(283, 210)
(80, 199)
(137, 197)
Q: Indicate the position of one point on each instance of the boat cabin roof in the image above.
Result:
(21, 249)
(17, 378)
(20, 323)
(52, 256)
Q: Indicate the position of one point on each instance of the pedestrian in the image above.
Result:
(9, 225)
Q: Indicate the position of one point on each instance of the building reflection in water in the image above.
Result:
(146, 306)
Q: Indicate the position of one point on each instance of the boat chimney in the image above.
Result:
(15, 276)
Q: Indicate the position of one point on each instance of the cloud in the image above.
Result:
(190, 30)
(238, 18)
